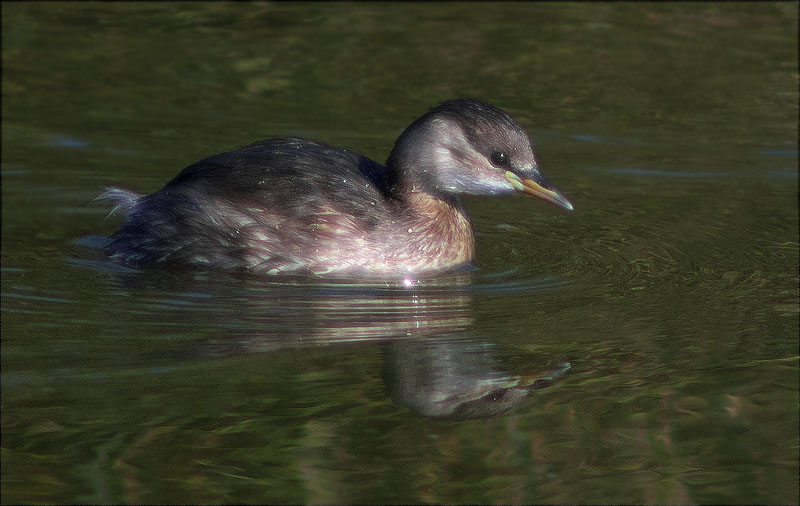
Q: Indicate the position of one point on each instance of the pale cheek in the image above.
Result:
(483, 178)
(495, 184)
(442, 157)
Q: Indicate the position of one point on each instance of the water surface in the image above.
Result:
(641, 349)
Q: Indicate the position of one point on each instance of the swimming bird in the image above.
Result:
(293, 205)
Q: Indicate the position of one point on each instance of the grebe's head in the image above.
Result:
(466, 146)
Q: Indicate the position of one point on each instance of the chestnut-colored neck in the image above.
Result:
(433, 233)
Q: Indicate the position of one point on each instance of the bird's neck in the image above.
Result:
(435, 230)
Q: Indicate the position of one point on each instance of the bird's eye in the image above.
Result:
(498, 159)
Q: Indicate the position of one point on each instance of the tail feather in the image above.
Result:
(124, 200)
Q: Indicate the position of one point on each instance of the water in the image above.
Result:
(671, 292)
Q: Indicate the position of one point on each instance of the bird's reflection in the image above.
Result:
(434, 363)
(456, 378)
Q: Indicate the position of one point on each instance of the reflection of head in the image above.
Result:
(454, 379)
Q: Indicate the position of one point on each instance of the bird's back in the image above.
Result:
(276, 205)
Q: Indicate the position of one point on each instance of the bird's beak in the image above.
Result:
(538, 187)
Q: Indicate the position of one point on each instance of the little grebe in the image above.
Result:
(296, 205)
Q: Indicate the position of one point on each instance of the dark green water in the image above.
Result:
(672, 290)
